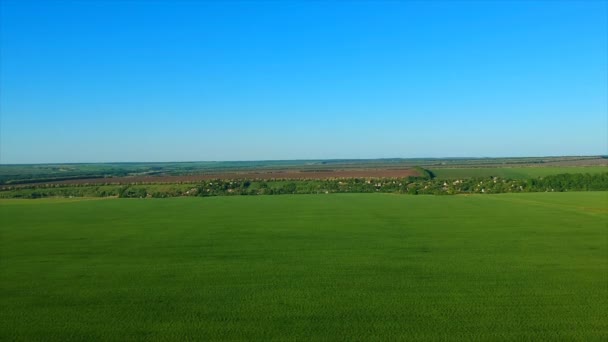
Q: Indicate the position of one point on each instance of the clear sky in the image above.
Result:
(189, 80)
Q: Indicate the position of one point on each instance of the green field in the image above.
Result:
(513, 172)
(306, 267)
(12, 174)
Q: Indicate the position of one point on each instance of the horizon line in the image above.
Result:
(305, 160)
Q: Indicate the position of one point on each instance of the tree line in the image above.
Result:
(421, 185)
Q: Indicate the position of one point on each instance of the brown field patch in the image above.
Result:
(254, 175)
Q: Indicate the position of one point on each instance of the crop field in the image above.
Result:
(124, 173)
(306, 267)
(268, 175)
(513, 172)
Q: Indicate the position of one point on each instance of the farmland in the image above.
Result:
(306, 267)
(512, 172)
(127, 173)
(412, 176)
(423, 183)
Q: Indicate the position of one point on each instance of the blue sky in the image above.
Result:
(182, 81)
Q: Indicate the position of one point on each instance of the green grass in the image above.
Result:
(513, 172)
(321, 267)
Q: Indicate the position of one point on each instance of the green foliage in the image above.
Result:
(424, 173)
(511, 172)
(409, 185)
(351, 267)
(132, 192)
(445, 167)
(61, 191)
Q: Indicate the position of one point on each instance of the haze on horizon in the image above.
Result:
(186, 81)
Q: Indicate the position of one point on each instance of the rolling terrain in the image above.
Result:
(128, 173)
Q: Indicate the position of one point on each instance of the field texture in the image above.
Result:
(268, 175)
(513, 172)
(322, 267)
(285, 169)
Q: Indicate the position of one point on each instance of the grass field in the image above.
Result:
(321, 267)
(514, 172)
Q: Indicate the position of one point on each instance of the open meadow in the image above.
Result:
(514, 172)
(306, 267)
